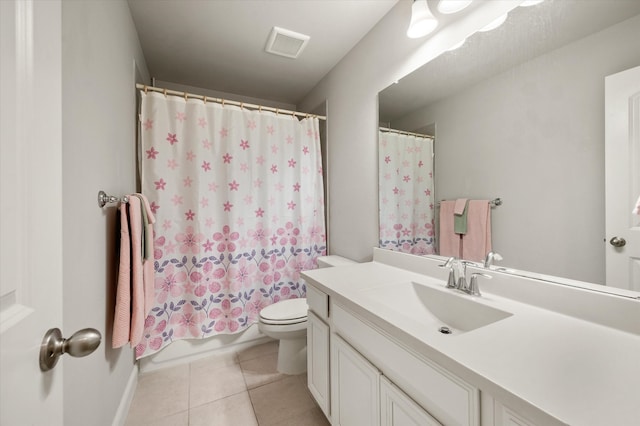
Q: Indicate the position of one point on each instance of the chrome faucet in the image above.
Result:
(458, 276)
(491, 256)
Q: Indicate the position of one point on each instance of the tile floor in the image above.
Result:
(238, 389)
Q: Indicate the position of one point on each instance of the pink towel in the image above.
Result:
(137, 277)
(636, 209)
(148, 271)
(476, 243)
(449, 240)
(122, 316)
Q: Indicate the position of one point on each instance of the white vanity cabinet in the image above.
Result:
(318, 349)
(397, 409)
(495, 413)
(355, 387)
(359, 375)
(437, 392)
(318, 362)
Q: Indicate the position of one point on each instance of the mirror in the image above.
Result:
(518, 114)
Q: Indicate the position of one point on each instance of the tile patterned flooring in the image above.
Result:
(237, 389)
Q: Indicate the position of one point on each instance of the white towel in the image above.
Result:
(636, 209)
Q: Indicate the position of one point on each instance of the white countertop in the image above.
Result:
(560, 368)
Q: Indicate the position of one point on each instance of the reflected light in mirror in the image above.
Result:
(495, 24)
(457, 45)
(528, 3)
(422, 21)
(452, 6)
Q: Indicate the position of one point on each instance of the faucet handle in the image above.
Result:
(451, 264)
(473, 289)
(490, 258)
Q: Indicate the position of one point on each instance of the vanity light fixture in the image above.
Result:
(452, 6)
(422, 20)
(495, 24)
(528, 3)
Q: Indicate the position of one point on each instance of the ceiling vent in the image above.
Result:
(286, 43)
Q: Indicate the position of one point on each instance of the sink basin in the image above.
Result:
(436, 307)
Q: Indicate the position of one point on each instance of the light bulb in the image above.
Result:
(422, 21)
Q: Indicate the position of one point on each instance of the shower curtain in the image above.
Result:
(238, 200)
(406, 193)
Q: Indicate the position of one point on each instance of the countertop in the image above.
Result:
(545, 364)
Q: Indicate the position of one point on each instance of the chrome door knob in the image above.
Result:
(80, 344)
(618, 242)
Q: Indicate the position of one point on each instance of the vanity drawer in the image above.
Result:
(445, 396)
(318, 302)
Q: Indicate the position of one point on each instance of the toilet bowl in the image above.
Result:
(286, 321)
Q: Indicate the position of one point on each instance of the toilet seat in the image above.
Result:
(285, 312)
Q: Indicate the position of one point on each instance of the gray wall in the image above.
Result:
(534, 136)
(99, 49)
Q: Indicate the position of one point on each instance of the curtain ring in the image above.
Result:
(259, 108)
(241, 105)
(186, 96)
(307, 116)
(204, 100)
(146, 89)
(277, 111)
(165, 92)
(223, 101)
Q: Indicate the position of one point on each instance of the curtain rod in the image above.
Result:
(222, 101)
(402, 132)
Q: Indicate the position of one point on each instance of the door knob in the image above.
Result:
(80, 344)
(618, 242)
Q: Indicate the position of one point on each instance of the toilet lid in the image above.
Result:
(285, 311)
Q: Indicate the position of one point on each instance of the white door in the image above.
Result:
(622, 153)
(30, 208)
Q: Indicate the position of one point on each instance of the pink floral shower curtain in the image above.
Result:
(406, 193)
(238, 200)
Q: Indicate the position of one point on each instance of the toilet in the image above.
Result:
(286, 321)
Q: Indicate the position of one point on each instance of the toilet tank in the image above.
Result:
(333, 260)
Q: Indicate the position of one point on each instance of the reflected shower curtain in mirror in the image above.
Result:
(406, 193)
(238, 200)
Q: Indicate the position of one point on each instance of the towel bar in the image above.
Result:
(103, 199)
(493, 203)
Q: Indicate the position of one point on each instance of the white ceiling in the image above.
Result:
(219, 44)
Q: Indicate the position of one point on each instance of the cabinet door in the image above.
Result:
(355, 387)
(505, 417)
(397, 409)
(318, 362)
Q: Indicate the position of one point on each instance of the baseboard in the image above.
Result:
(127, 396)
(184, 351)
